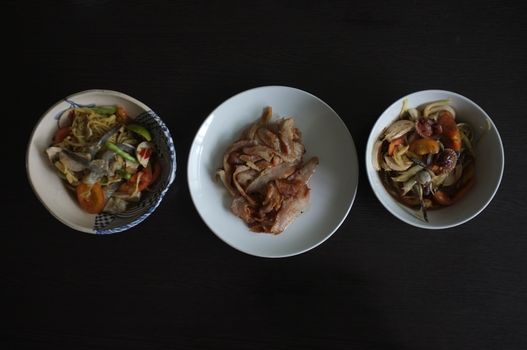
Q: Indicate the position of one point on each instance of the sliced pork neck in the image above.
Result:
(265, 174)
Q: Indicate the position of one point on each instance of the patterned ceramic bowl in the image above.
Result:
(61, 202)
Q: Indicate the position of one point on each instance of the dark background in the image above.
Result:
(377, 283)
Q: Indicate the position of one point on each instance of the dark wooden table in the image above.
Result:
(377, 283)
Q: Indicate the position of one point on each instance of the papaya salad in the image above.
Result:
(104, 157)
(425, 158)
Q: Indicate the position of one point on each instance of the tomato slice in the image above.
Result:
(91, 197)
(146, 178)
(442, 198)
(61, 134)
(424, 146)
(393, 145)
(144, 181)
(451, 136)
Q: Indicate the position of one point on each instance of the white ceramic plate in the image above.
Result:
(333, 186)
(50, 188)
(489, 161)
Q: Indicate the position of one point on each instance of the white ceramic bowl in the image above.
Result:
(489, 162)
(51, 190)
(333, 186)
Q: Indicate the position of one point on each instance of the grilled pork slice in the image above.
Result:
(306, 171)
(264, 173)
(290, 209)
(240, 207)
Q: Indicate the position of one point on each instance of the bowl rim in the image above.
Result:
(341, 221)
(370, 172)
(32, 135)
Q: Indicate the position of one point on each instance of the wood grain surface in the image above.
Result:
(170, 283)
